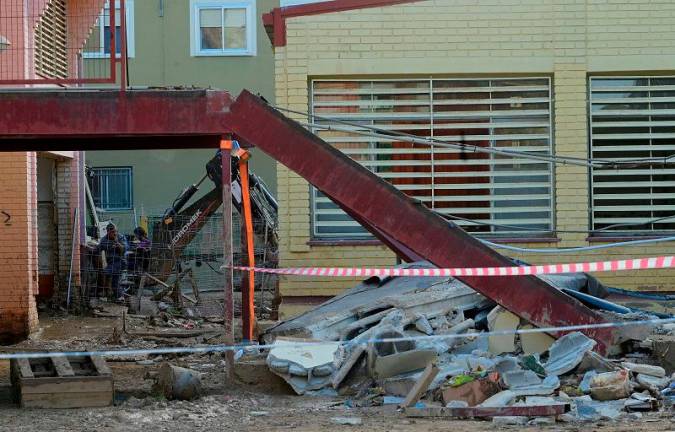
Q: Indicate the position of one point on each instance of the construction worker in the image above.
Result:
(114, 248)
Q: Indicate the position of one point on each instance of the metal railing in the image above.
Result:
(62, 43)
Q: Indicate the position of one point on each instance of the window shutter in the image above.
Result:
(51, 54)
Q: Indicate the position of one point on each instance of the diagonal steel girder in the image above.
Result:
(410, 229)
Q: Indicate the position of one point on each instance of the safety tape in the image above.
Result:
(285, 343)
(659, 262)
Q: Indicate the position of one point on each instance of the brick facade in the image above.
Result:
(565, 39)
(18, 245)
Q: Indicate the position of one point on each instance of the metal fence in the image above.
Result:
(152, 277)
(62, 42)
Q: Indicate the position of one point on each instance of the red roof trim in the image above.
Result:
(275, 20)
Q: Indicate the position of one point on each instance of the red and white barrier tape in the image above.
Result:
(598, 266)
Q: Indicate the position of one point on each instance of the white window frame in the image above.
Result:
(495, 187)
(195, 37)
(651, 118)
(131, 46)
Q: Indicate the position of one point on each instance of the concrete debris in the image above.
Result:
(375, 347)
(567, 352)
(500, 319)
(541, 421)
(585, 384)
(510, 420)
(535, 342)
(641, 402)
(305, 366)
(350, 421)
(501, 399)
(526, 383)
(610, 386)
(655, 371)
(649, 381)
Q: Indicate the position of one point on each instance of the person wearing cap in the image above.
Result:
(114, 249)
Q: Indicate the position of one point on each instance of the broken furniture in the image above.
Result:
(61, 382)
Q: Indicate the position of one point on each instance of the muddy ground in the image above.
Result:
(227, 405)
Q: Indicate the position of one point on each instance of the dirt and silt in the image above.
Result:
(264, 404)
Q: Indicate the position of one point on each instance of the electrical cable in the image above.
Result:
(565, 160)
(577, 249)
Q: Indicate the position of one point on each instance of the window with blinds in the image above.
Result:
(51, 54)
(504, 113)
(632, 118)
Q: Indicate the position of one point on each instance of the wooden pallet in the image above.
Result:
(62, 382)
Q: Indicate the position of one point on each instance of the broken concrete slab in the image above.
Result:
(305, 366)
(510, 420)
(402, 362)
(347, 315)
(645, 369)
(526, 383)
(585, 384)
(594, 410)
(641, 402)
(500, 319)
(567, 352)
(534, 342)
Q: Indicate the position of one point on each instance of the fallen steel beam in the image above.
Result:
(390, 214)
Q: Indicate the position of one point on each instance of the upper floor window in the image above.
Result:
(222, 28)
(98, 45)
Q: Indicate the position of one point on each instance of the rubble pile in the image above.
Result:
(399, 340)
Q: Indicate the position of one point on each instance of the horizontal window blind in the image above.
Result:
(506, 113)
(632, 118)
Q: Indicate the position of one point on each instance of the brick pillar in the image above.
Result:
(18, 245)
(66, 200)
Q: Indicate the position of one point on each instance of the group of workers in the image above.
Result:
(116, 250)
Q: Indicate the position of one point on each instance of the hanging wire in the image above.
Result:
(385, 133)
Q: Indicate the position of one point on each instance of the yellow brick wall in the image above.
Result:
(564, 39)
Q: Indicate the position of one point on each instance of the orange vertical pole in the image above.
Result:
(248, 285)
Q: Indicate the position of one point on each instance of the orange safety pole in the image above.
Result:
(248, 285)
(228, 292)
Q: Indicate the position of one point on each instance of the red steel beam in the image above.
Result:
(393, 215)
(30, 115)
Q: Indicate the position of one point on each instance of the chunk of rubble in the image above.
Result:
(567, 352)
(305, 366)
(645, 369)
(527, 383)
(590, 410)
(536, 342)
(501, 399)
(610, 386)
(648, 381)
(641, 402)
(501, 320)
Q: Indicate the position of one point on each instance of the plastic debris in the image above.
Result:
(532, 363)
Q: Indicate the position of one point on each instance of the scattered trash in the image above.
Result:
(179, 383)
(610, 386)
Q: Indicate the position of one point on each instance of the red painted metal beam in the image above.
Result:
(106, 113)
(390, 214)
